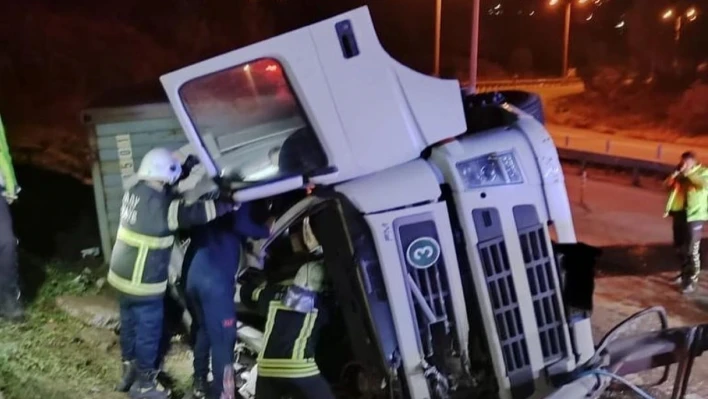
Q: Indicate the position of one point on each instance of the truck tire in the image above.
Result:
(528, 102)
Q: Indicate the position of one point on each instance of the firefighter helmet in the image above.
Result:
(159, 164)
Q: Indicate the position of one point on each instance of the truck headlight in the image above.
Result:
(493, 169)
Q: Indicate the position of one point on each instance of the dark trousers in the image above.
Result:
(211, 297)
(8, 254)
(315, 387)
(687, 242)
(141, 323)
(692, 252)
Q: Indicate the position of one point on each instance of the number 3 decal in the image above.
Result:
(423, 252)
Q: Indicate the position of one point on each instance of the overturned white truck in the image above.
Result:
(434, 213)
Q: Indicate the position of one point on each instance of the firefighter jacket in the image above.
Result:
(689, 193)
(149, 220)
(290, 337)
(8, 182)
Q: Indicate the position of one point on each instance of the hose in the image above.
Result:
(624, 381)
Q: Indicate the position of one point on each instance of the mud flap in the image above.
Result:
(576, 263)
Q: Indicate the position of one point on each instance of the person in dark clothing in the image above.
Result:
(295, 316)
(211, 264)
(10, 306)
(150, 216)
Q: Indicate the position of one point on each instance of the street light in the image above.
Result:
(691, 13)
(474, 42)
(566, 29)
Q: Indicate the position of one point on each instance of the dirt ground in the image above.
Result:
(641, 116)
(637, 265)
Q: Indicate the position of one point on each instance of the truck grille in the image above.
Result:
(539, 270)
(505, 304)
(427, 284)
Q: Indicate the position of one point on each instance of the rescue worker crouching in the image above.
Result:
(211, 263)
(150, 216)
(295, 316)
(688, 205)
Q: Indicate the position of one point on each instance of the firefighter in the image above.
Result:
(150, 216)
(211, 264)
(688, 206)
(295, 315)
(10, 306)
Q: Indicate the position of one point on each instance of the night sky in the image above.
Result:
(57, 57)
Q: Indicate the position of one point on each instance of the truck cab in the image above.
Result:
(435, 220)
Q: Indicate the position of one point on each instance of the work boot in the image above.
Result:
(11, 307)
(688, 288)
(678, 280)
(200, 387)
(128, 378)
(147, 387)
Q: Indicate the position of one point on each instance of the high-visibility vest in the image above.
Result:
(8, 181)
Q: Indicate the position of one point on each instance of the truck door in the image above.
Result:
(246, 125)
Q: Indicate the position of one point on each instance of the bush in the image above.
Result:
(690, 113)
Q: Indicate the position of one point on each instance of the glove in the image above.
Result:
(11, 197)
(188, 165)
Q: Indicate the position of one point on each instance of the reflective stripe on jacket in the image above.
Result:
(290, 337)
(8, 181)
(149, 219)
(689, 193)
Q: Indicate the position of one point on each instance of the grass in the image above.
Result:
(44, 357)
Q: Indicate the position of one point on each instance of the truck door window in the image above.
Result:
(251, 113)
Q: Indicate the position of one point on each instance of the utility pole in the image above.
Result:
(474, 48)
(438, 29)
(566, 38)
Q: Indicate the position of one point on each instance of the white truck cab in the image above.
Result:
(434, 226)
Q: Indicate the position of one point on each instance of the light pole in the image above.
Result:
(474, 47)
(566, 29)
(690, 14)
(438, 28)
(474, 42)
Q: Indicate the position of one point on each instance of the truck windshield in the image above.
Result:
(251, 122)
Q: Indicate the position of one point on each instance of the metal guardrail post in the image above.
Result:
(658, 151)
(607, 146)
(567, 141)
(583, 182)
(636, 177)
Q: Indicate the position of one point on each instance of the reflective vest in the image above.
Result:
(689, 193)
(290, 337)
(149, 220)
(8, 181)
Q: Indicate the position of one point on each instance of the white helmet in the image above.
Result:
(159, 164)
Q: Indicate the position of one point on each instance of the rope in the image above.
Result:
(624, 381)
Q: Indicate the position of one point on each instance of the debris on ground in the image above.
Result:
(95, 310)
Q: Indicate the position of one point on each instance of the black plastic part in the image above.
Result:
(505, 303)
(347, 40)
(578, 266)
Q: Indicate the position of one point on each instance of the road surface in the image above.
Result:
(637, 263)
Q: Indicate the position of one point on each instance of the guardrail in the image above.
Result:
(484, 85)
(651, 158)
(608, 145)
